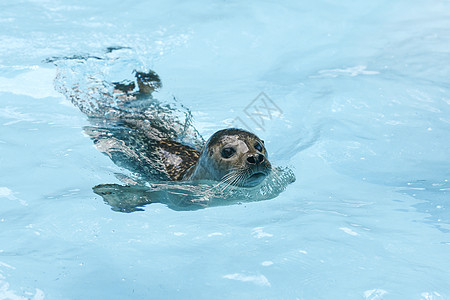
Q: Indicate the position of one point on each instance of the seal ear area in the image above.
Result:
(177, 158)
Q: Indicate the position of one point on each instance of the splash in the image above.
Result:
(183, 196)
(126, 119)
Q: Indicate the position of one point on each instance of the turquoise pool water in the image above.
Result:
(359, 110)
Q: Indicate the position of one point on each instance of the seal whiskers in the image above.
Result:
(233, 178)
(229, 180)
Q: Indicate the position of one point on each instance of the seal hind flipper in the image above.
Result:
(177, 158)
(147, 83)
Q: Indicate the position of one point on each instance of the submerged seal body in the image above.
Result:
(232, 156)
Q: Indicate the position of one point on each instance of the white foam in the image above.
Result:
(2, 264)
(8, 194)
(351, 71)
(348, 231)
(259, 233)
(215, 234)
(431, 296)
(374, 294)
(7, 293)
(5, 192)
(260, 280)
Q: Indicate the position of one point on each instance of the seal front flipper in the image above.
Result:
(124, 198)
(131, 198)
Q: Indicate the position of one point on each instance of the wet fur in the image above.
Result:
(232, 171)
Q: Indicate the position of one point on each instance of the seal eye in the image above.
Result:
(258, 147)
(227, 152)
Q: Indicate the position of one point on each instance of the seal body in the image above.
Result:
(177, 158)
(232, 156)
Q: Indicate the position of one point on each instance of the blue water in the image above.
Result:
(363, 119)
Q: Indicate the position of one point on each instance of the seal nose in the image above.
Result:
(255, 159)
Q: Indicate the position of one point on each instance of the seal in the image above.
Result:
(232, 156)
(156, 140)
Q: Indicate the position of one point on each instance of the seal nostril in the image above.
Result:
(251, 159)
(255, 159)
(260, 158)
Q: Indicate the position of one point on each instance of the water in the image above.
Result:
(361, 117)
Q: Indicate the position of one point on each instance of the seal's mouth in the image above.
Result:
(257, 176)
(255, 179)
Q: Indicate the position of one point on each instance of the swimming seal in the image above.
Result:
(150, 139)
(232, 156)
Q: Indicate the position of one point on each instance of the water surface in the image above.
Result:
(363, 120)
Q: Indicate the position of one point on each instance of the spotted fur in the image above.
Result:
(177, 158)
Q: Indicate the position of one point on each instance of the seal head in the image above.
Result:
(233, 156)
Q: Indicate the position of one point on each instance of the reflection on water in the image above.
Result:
(433, 197)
